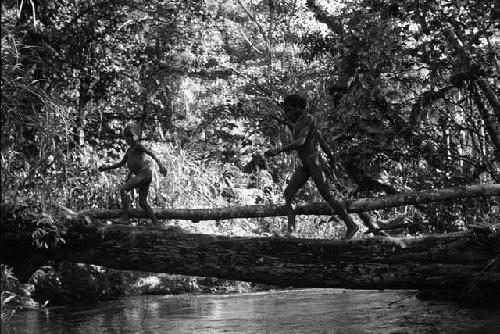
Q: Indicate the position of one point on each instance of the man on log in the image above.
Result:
(305, 140)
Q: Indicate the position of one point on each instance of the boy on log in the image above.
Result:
(140, 172)
(305, 140)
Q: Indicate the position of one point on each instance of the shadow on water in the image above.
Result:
(291, 311)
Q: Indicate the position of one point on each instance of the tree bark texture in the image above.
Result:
(354, 206)
(451, 261)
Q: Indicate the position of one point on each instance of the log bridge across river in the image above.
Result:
(462, 261)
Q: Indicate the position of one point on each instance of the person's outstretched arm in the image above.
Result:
(304, 127)
(117, 165)
(163, 170)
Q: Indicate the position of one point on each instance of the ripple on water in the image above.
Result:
(289, 311)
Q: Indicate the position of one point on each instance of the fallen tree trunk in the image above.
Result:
(466, 261)
(452, 261)
(359, 205)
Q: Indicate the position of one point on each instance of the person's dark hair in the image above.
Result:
(295, 101)
(132, 128)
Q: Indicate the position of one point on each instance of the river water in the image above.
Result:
(290, 311)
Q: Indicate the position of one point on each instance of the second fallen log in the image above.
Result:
(359, 205)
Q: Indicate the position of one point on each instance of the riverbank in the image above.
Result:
(67, 284)
(162, 284)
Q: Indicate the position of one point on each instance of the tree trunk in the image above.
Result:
(492, 127)
(360, 205)
(451, 261)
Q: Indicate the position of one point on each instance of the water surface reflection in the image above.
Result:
(293, 311)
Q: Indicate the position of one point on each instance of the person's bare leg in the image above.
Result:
(340, 210)
(125, 204)
(299, 178)
(317, 172)
(143, 202)
(137, 181)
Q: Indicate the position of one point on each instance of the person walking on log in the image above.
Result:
(140, 168)
(305, 140)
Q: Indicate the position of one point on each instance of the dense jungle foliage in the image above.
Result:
(405, 92)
